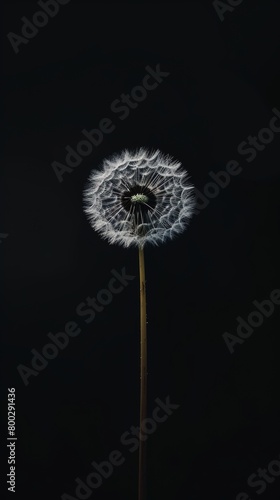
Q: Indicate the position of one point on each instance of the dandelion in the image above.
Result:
(139, 197)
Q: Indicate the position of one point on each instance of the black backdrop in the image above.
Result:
(219, 85)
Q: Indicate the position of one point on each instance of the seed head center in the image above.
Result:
(139, 198)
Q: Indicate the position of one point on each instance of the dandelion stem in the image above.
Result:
(143, 376)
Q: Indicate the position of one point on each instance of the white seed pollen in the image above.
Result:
(140, 198)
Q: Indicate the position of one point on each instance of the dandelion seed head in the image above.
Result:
(139, 197)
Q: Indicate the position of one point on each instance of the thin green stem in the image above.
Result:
(143, 376)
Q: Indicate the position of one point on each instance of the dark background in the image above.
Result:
(223, 83)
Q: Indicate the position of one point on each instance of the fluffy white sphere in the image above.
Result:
(139, 197)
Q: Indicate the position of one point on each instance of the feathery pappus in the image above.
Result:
(139, 197)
